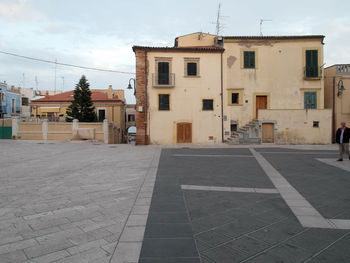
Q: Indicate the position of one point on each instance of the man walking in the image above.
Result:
(342, 137)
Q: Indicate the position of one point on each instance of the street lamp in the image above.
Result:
(340, 88)
(130, 87)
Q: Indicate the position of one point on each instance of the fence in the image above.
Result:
(5, 128)
(64, 131)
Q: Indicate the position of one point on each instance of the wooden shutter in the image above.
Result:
(163, 73)
(249, 59)
(310, 100)
(163, 101)
(311, 63)
(191, 69)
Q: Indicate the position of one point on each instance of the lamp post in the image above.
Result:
(130, 87)
(340, 87)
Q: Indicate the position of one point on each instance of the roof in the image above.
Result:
(275, 37)
(96, 96)
(181, 49)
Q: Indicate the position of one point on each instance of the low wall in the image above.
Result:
(297, 126)
(63, 131)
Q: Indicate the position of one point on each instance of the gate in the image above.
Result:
(5, 128)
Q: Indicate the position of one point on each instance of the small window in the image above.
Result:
(249, 59)
(163, 102)
(131, 117)
(191, 69)
(208, 105)
(316, 124)
(310, 100)
(101, 114)
(235, 98)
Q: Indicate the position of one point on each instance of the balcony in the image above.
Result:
(343, 69)
(312, 73)
(163, 80)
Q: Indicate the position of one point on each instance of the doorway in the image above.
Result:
(184, 132)
(261, 104)
(101, 115)
(268, 132)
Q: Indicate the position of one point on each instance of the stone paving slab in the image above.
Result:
(67, 202)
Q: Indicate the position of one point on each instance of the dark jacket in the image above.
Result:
(346, 135)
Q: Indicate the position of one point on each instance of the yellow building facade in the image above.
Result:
(209, 89)
(337, 93)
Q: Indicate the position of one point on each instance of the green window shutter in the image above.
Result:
(249, 59)
(310, 100)
(311, 63)
(163, 100)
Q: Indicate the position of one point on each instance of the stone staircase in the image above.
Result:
(248, 134)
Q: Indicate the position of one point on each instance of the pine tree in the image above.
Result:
(82, 107)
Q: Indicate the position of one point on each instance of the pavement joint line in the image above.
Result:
(274, 245)
(323, 153)
(214, 155)
(325, 248)
(152, 170)
(309, 217)
(230, 189)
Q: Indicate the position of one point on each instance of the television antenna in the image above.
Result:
(219, 25)
(261, 22)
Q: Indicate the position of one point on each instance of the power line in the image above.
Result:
(66, 64)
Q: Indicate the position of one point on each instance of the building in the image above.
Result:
(337, 94)
(237, 89)
(10, 101)
(109, 104)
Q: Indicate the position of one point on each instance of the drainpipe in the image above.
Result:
(333, 111)
(146, 97)
(222, 103)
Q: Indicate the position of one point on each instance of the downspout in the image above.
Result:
(333, 111)
(146, 97)
(222, 102)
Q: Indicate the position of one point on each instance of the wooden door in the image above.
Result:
(268, 132)
(184, 132)
(261, 103)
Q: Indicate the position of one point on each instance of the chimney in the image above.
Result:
(13, 88)
(110, 92)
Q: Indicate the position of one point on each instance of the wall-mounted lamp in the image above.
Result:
(340, 88)
(130, 87)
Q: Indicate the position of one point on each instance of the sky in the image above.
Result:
(101, 33)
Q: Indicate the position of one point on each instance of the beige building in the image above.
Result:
(337, 93)
(238, 89)
(109, 104)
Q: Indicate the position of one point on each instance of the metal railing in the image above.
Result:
(342, 69)
(163, 79)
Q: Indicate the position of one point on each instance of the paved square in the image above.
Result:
(69, 202)
(249, 205)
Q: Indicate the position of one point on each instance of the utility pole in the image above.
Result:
(55, 73)
(62, 83)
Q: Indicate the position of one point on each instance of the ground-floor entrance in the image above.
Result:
(268, 132)
(184, 132)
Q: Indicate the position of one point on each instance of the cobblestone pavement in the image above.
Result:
(72, 202)
(272, 204)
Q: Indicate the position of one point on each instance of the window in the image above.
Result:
(13, 106)
(310, 100)
(25, 101)
(311, 68)
(249, 59)
(191, 69)
(234, 98)
(163, 73)
(208, 105)
(163, 102)
(316, 124)
(131, 117)
(101, 114)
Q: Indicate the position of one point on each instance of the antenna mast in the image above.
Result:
(261, 22)
(218, 26)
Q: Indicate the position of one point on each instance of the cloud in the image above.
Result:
(19, 11)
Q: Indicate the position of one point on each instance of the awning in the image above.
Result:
(49, 109)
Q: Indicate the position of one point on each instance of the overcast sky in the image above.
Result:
(100, 33)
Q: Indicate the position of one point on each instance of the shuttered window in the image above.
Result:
(191, 69)
(311, 69)
(163, 73)
(235, 98)
(164, 102)
(208, 105)
(310, 100)
(249, 59)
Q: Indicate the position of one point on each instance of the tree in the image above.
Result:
(82, 107)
